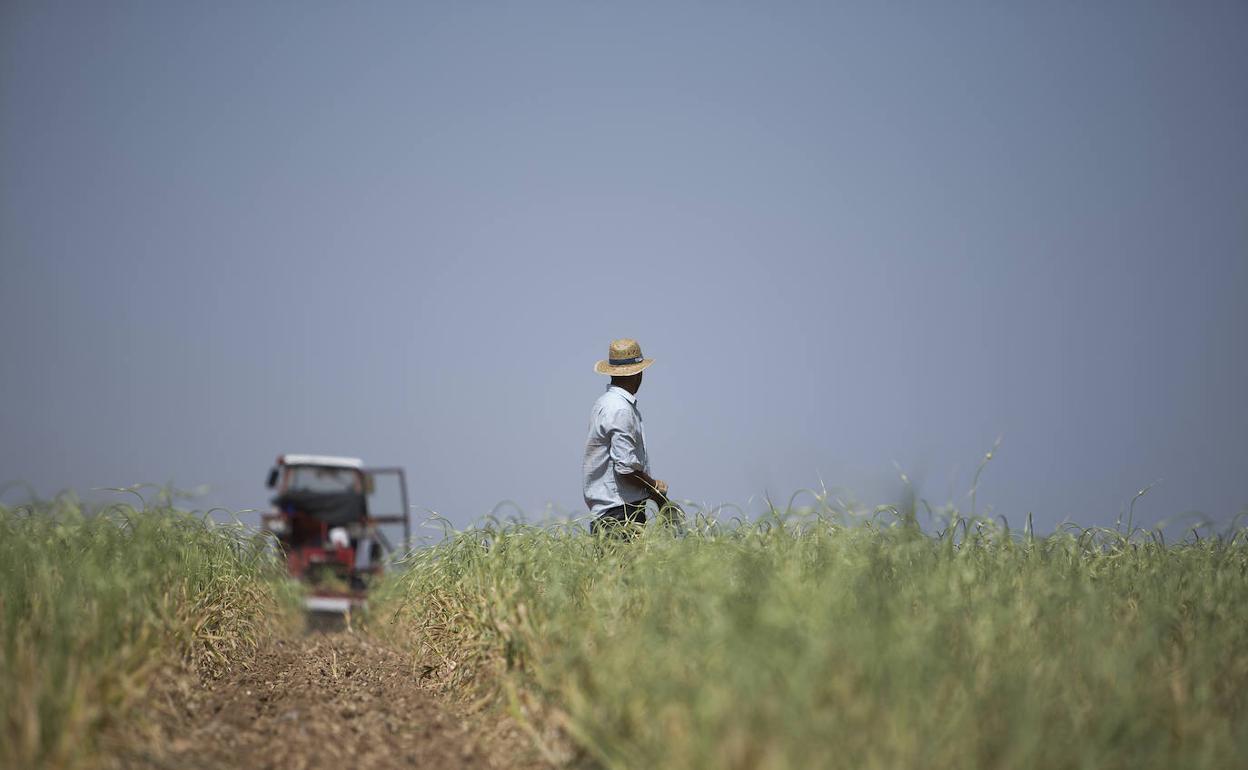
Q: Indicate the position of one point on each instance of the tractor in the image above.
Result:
(326, 520)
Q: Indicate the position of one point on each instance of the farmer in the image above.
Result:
(617, 467)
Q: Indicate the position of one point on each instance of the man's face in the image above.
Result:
(632, 383)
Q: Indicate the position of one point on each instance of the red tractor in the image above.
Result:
(325, 521)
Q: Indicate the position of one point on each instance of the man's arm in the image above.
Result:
(624, 431)
(669, 512)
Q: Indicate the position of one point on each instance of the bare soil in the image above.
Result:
(324, 700)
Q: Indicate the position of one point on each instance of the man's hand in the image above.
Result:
(659, 488)
(669, 512)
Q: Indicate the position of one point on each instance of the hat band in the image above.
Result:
(624, 361)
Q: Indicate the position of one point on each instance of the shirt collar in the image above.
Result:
(631, 398)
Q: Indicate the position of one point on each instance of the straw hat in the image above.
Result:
(623, 359)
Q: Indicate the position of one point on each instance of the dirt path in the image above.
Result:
(321, 701)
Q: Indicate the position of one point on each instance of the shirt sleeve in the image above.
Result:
(625, 435)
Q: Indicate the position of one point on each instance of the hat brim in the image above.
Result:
(627, 370)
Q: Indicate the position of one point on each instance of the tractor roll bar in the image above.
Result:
(405, 517)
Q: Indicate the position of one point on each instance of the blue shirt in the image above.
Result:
(615, 449)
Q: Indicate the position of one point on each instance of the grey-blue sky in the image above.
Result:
(851, 234)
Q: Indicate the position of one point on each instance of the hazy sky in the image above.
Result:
(850, 233)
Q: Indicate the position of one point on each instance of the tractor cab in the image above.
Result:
(336, 522)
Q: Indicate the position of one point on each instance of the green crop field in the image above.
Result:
(801, 641)
(92, 606)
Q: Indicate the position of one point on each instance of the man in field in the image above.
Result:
(617, 467)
